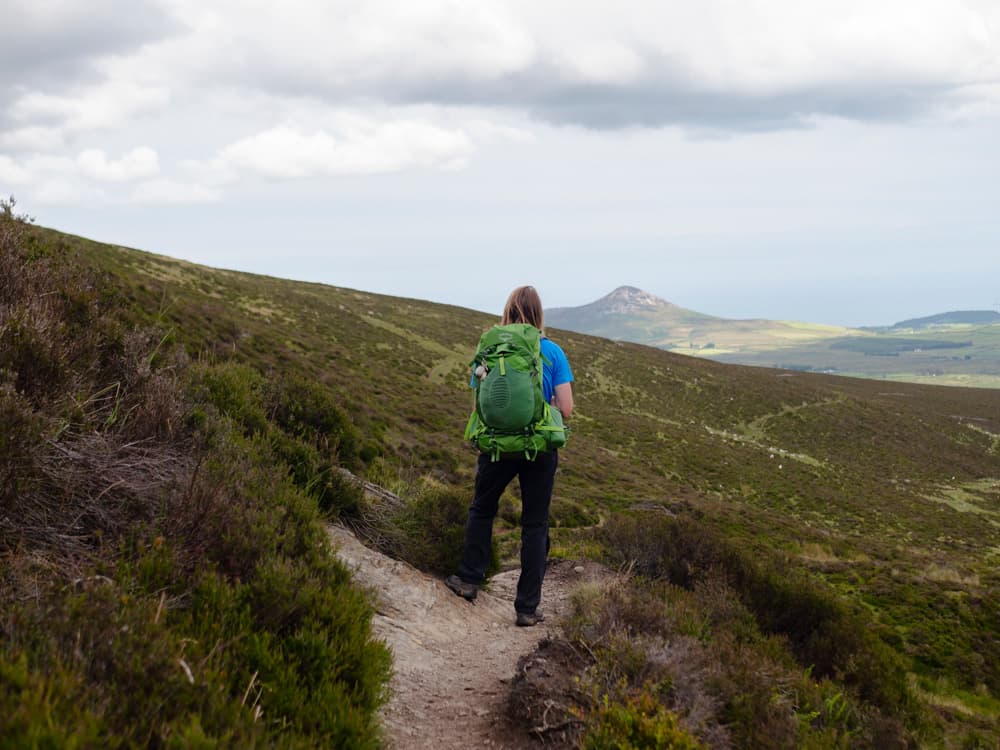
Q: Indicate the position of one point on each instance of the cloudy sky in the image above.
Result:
(826, 161)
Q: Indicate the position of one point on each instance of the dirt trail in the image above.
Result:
(453, 659)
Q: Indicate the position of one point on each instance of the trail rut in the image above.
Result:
(453, 659)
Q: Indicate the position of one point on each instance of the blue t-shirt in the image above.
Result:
(558, 372)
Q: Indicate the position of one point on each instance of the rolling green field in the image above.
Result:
(888, 493)
(963, 355)
(928, 352)
(659, 323)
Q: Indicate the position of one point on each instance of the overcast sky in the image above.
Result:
(834, 162)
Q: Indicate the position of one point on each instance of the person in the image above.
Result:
(536, 478)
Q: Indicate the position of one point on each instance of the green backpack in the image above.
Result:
(510, 417)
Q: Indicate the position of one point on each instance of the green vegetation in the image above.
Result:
(851, 524)
(893, 346)
(958, 348)
(956, 317)
(164, 573)
(964, 355)
(667, 326)
(641, 722)
(421, 522)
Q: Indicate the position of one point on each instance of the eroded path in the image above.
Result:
(453, 659)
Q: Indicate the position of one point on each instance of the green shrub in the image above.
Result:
(826, 636)
(308, 410)
(167, 581)
(235, 390)
(433, 530)
(317, 475)
(20, 445)
(638, 723)
(424, 524)
(127, 670)
(568, 515)
(730, 685)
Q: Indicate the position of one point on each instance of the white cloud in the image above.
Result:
(57, 42)
(133, 165)
(727, 64)
(93, 177)
(12, 173)
(66, 191)
(732, 62)
(172, 192)
(488, 131)
(108, 105)
(33, 139)
(46, 178)
(342, 44)
(359, 145)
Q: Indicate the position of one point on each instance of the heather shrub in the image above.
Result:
(566, 514)
(304, 428)
(165, 578)
(316, 473)
(793, 660)
(130, 666)
(509, 509)
(55, 333)
(726, 685)
(20, 444)
(638, 723)
(431, 529)
(421, 522)
(235, 390)
(308, 410)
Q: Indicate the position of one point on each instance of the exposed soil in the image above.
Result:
(456, 662)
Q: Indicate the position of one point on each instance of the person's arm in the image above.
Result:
(562, 398)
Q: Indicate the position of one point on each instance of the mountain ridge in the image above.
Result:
(632, 314)
(624, 299)
(951, 317)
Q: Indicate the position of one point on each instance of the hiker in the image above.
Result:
(535, 470)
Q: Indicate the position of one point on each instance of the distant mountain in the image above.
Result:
(625, 300)
(632, 314)
(956, 317)
(957, 348)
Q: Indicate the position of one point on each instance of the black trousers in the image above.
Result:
(492, 477)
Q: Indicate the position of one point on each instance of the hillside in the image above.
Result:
(630, 314)
(955, 317)
(957, 348)
(886, 495)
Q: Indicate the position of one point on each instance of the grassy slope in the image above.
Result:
(943, 366)
(890, 492)
(165, 579)
(777, 343)
(690, 332)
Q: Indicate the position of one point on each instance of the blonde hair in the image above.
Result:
(524, 306)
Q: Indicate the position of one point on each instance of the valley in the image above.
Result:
(960, 349)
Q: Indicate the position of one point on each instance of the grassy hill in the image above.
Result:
(946, 354)
(959, 348)
(884, 495)
(629, 314)
(955, 317)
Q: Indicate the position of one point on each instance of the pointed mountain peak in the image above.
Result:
(630, 299)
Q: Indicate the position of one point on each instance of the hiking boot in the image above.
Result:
(465, 590)
(527, 619)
